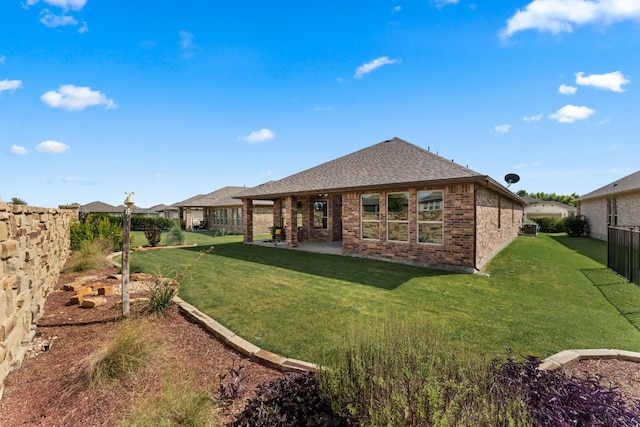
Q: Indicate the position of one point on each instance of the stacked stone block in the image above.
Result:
(34, 246)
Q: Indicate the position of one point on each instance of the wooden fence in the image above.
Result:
(623, 252)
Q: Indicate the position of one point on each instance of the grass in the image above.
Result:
(201, 238)
(542, 295)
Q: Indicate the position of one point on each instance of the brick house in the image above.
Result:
(536, 208)
(617, 203)
(219, 211)
(394, 201)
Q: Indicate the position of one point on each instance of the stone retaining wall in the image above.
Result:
(34, 246)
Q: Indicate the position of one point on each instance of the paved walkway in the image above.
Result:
(333, 248)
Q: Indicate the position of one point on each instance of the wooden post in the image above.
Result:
(126, 241)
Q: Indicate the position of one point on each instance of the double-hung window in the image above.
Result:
(370, 216)
(430, 228)
(398, 217)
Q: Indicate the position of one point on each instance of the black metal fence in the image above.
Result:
(623, 252)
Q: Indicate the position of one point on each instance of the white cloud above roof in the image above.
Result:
(71, 97)
(608, 81)
(52, 20)
(51, 146)
(571, 113)
(258, 136)
(558, 16)
(502, 128)
(373, 65)
(534, 118)
(17, 150)
(10, 84)
(567, 90)
(64, 4)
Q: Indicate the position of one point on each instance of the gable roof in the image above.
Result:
(218, 198)
(100, 207)
(389, 163)
(530, 201)
(623, 185)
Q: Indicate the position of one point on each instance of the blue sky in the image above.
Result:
(170, 100)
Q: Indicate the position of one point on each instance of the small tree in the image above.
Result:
(18, 201)
(153, 233)
(576, 226)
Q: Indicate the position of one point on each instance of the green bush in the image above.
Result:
(161, 295)
(153, 233)
(140, 222)
(549, 224)
(576, 226)
(175, 236)
(94, 226)
(404, 376)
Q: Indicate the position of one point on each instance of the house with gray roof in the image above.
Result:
(536, 208)
(395, 201)
(101, 207)
(219, 211)
(617, 204)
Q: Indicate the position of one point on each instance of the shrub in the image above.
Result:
(403, 375)
(576, 226)
(290, 401)
(140, 222)
(553, 399)
(94, 226)
(91, 254)
(549, 224)
(176, 236)
(161, 295)
(179, 405)
(153, 233)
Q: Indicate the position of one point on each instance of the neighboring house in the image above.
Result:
(160, 211)
(536, 208)
(394, 201)
(101, 207)
(219, 211)
(617, 203)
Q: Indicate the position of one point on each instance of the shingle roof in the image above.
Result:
(99, 207)
(623, 185)
(387, 163)
(220, 197)
(533, 201)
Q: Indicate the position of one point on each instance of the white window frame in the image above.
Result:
(362, 221)
(399, 221)
(441, 222)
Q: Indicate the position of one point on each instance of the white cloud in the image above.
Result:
(186, 40)
(567, 90)
(52, 147)
(443, 3)
(397, 9)
(17, 150)
(558, 16)
(570, 113)
(323, 108)
(51, 20)
(502, 128)
(372, 65)
(258, 136)
(72, 97)
(64, 4)
(10, 85)
(535, 118)
(83, 28)
(608, 81)
(3, 59)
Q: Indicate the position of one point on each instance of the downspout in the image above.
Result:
(475, 226)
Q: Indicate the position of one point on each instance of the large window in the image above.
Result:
(430, 229)
(320, 211)
(236, 217)
(398, 217)
(370, 216)
(612, 212)
(220, 217)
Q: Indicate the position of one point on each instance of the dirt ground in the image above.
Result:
(39, 393)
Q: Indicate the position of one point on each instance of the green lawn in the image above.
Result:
(541, 295)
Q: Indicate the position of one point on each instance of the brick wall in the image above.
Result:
(34, 246)
(596, 212)
(459, 226)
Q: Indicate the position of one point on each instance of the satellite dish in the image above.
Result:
(511, 178)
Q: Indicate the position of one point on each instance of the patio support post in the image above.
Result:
(247, 220)
(291, 205)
